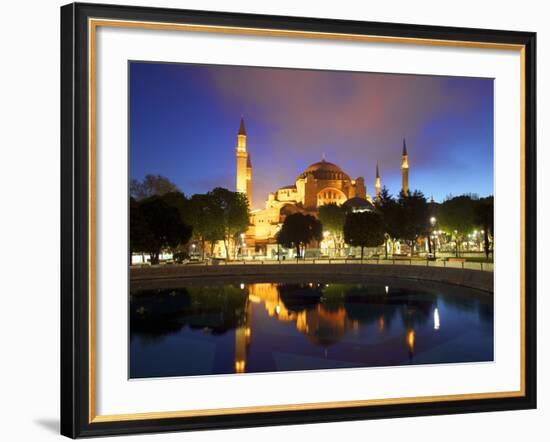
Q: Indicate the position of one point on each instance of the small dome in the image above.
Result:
(358, 204)
(323, 170)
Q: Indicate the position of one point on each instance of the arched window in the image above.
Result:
(330, 195)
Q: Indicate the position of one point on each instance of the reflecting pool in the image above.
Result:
(265, 326)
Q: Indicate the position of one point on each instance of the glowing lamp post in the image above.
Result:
(433, 220)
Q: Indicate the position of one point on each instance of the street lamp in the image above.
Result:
(433, 220)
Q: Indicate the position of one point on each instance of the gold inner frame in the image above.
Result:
(93, 24)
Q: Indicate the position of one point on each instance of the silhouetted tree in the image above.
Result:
(391, 216)
(152, 185)
(484, 218)
(140, 235)
(457, 216)
(164, 225)
(204, 215)
(414, 213)
(178, 201)
(363, 229)
(232, 208)
(298, 230)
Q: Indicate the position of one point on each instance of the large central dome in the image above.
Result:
(323, 170)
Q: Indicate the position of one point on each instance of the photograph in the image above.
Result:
(285, 219)
(272, 219)
(265, 221)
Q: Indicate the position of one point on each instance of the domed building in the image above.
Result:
(320, 183)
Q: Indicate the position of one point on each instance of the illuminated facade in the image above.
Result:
(321, 183)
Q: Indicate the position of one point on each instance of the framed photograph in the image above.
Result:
(279, 220)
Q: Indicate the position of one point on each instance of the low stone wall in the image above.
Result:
(462, 277)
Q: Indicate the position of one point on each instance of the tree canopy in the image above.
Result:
(168, 220)
(140, 235)
(152, 185)
(298, 230)
(332, 217)
(364, 229)
(390, 211)
(414, 216)
(155, 225)
(484, 219)
(232, 208)
(457, 216)
(205, 217)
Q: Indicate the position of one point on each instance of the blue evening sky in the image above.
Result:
(184, 120)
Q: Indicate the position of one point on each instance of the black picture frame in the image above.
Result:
(75, 220)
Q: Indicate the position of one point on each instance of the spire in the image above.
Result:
(242, 130)
(248, 161)
(377, 184)
(405, 170)
(323, 158)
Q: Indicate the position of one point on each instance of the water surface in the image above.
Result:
(265, 326)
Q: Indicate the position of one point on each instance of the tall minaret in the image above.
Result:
(249, 179)
(405, 169)
(377, 184)
(244, 166)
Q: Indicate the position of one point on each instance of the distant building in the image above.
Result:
(321, 183)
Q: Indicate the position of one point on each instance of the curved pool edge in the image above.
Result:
(473, 279)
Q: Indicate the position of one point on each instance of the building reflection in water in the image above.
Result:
(319, 323)
(290, 326)
(243, 335)
(323, 319)
(381, 324)
(410, 342)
